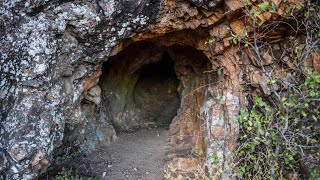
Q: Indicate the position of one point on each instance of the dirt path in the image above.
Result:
(137, 155)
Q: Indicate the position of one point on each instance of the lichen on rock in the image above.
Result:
(67, 83)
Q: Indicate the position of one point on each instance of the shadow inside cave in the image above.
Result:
(142, 90)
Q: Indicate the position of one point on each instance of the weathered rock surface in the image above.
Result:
(50, 52)
(52, 55)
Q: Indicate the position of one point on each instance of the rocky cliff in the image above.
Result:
(72, 75)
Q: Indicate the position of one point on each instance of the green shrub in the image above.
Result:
(279, 139)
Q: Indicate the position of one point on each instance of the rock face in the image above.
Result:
(50, 54)
(74, 72)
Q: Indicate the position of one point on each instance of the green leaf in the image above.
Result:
(267, 134)
(260, 131)
(288, 10)
(272, 11)
(314, 118)
(263, 6)
(234, 40)
(261, 23)
(307, 14)
(300, 6)
(273, 8)
(254, 12)
(200, 152)
(312, 93)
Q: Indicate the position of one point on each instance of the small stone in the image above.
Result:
(147, 172)
(263, 84)
(234, 4)
(237, 27)
(268, 58)
(17, 153)
(104, 174)
(226, 42)
(110, 165)
(276, 47)
(135, 169)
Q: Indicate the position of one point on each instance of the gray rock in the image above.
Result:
(206, 4)
(93, 95)
(47, 49)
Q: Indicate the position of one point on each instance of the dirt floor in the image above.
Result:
(134, 156)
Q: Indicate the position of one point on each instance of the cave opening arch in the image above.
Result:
(142, 85)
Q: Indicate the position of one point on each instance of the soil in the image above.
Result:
(136, 155)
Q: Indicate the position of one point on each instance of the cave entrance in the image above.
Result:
(139, 88)
(156, 92)
(142, 89)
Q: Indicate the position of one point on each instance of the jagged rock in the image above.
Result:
(54, 53)
(238, 28)
(94, 95)
(206, 4)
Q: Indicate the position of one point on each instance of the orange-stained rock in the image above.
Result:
(180, 15)
(234, 4)
(93, 78)
(316, 61)
(237, 27)
(267, 58)
(183, 24)
(220, 31)
(266, 16)
(226, 42)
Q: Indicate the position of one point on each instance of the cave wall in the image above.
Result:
(139, 87)
(51, 58)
